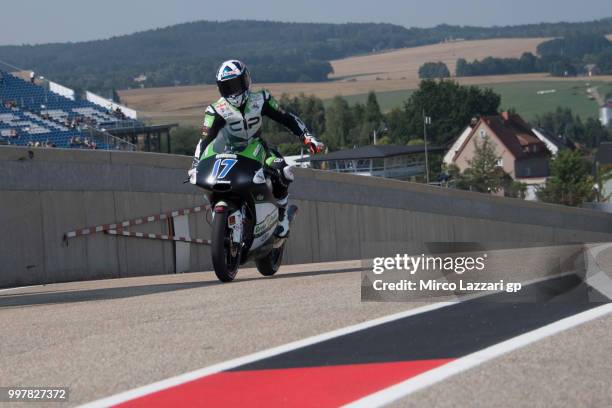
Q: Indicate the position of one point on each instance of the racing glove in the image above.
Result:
(192, 174)
(314, 145)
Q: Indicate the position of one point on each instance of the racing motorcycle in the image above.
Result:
(244, 211)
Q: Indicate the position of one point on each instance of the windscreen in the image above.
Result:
(227, 143)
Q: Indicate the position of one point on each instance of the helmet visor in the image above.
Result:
(234, 86)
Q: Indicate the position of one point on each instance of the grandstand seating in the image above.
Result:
(30, 113)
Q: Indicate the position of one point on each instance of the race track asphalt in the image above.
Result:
(103, 337)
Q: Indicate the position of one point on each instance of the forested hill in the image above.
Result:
(277, 52)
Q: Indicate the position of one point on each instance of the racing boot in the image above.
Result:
(282, 230)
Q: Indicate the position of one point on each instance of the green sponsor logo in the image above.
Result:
(266, 224)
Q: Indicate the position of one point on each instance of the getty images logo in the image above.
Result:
(413, 264)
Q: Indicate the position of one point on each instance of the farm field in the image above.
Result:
(405, 63)
(354, 77)
(395, 70)
(185, 105)
(522, 96)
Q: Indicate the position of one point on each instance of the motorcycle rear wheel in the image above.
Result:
(269, 265)
(225, 252)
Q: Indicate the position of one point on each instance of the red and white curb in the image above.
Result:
(388, 394)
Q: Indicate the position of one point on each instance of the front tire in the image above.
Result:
(225, 252)
(269, 265)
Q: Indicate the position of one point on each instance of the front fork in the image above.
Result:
(235, 220)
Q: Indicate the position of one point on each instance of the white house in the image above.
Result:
(605, 113)
(449, 157)
(523, 152)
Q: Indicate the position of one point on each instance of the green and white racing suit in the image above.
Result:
(245, 123)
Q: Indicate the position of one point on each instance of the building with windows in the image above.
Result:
(389, 161)
(522, 152)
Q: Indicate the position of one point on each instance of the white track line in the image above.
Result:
(193, 375)
(431, 377)
(227, 365)
(19, 287)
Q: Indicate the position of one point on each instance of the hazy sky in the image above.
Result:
(41, 21)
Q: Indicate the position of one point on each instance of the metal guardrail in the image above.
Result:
(112, 142)
(123, 124)
(395, 171)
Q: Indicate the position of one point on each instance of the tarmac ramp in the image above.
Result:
(176, 339)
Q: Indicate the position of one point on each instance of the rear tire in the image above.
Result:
(225, 252)
(269, 265)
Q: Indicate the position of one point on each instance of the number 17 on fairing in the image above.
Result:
(227, 165)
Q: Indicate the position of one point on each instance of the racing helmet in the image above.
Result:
(233, 81)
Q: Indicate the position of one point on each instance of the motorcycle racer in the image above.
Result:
(240, 113)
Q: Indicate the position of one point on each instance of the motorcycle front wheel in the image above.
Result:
(225, 252)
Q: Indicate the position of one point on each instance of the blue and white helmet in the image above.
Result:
(234, 80)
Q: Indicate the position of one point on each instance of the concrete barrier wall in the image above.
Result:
(47, 192)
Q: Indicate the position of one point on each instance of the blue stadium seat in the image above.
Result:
(30, 113)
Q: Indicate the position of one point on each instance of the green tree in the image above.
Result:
(385, 140)
(291, 149)
(564, 123)
(462, 68)
(309, 108)
(364, 120)
(434, 70)
(398, 126)
(184, 139)
(570, 182)
(360, 131)
(483, 174)
(498, 66)
(528, 63)
(450, 106)
(577, 45)
(174, 55)
(372, 109)
(416, 142)
(515, 189)
(594, 132)
(339, 122)
(604, 61)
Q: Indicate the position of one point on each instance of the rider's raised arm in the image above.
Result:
(273, 110)
(213, 122)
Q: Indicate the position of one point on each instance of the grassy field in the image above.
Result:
(185, 105)
(522, 96)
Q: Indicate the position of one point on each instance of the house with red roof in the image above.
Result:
(522, 152)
